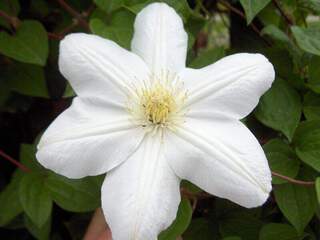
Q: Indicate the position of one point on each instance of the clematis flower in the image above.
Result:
(148, 121)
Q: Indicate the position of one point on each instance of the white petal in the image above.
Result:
(222, 157)
(97, 67)
(231, 86)
(89, 138)
(140, 198)
(160, 39)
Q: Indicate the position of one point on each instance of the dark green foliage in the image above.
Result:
(43, 205)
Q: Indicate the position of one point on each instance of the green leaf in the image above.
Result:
(28, 157)
(180, 224)
(208, 57)
(276, 33)
(181, 6)
(35, 198)
(310, 5)
(41, 233)
(308, 39)
(280, 108)
(279, 231)
(282, 159)
(307, 143)
(27, 79)
(119, 29)
(190, 187)
(253, 7)
(240, 223)
(109, 5)
(29, 44)
(69, 92)
(281, 61)
(297, 203)
(314, 74)
(311, 106)
(268, 16)
(318, 189)
(10, 205)
(76, 195)
(232, 238)
(199, 229)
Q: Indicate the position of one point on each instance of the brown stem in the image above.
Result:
(74, 13)
(194, 204)
(10, 19)
(69, 28)
(15, 162)
(294, 181)
(63, 32)
(54, 36)
(242, 15)
(201, 195)
(5, 15)
(283, 14)
(89, 11)
(98, 228)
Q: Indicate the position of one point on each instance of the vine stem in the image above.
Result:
(15, 162)
(185, 192)
(283, 14)
(294, 181)
(74, 13)
(77, 20)
(14, 21)
(203, 195)
(242, 15)
(5, 15)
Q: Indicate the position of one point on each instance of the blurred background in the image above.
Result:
(37, 204)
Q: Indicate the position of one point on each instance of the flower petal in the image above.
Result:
(97, 67)
(89, 138)
(222, 157)
(160, 39)
(231, 86)
(140, 198)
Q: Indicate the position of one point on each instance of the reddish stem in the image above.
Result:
(5, 15)
(54, 36)
(283, 14)
(10, 19)
(294, 181)
(15, 162)
(242, 15)
(74, 13)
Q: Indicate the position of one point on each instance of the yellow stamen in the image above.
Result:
(157, 104)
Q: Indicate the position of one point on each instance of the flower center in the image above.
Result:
(158, 102)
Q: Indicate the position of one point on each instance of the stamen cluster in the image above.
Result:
(159, 102)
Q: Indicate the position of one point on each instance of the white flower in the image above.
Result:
(148, 121)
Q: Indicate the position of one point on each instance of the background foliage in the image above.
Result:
(36, 203)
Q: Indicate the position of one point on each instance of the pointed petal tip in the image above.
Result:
(265, 66)
(73, 37)
(261, 196)
(159, 34)
(157, 5)
(74, 40)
